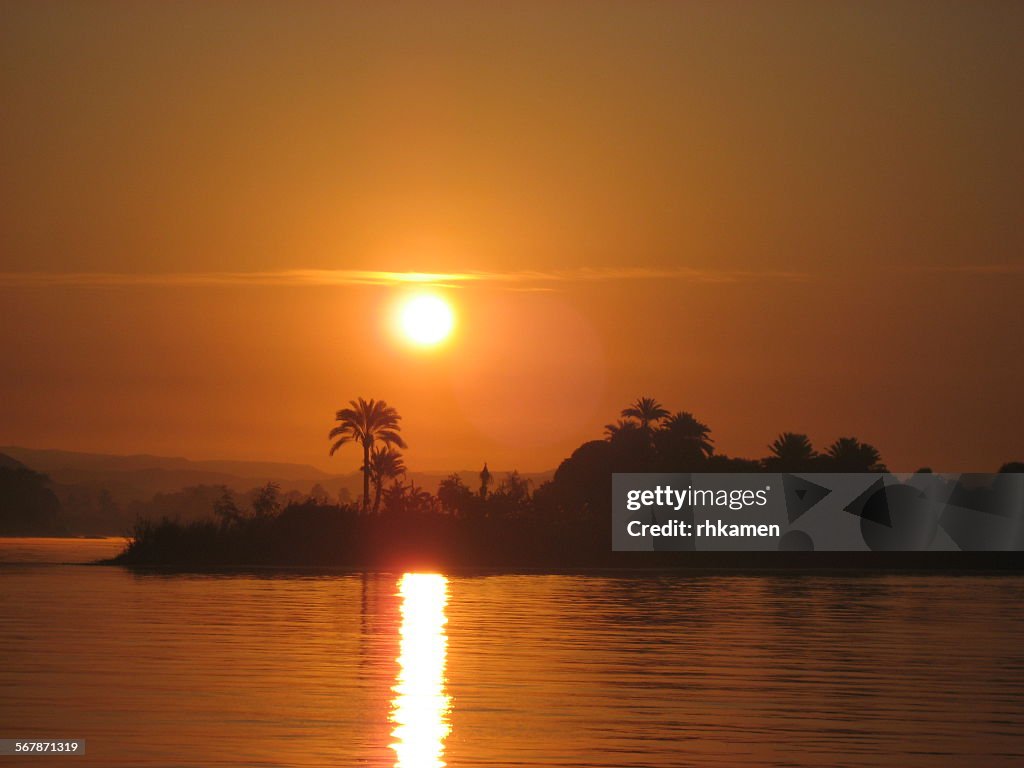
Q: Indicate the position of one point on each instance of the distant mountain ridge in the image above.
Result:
(137, 477)
(96, 493)
(49, 459)
(28, 505)
(7, 462)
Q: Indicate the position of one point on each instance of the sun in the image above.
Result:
(426, 319)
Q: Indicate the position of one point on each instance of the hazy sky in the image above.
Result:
(779, 216)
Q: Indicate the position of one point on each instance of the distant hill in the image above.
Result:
(6, 462)
(138, 477)
(50, 460)
(97, 490)
(28, 506)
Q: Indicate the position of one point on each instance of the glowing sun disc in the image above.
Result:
(426, 319)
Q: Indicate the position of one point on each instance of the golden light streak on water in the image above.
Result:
(420, 707)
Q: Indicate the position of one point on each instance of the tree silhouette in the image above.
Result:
(683, 442)
(619, 427)
(402, 499)
(848, 454)
(632, 449)
(646, 410)
(583, 482)
(561, 523)
(366, 423)
(514, 487)
(28, 506)
(265, 502)
(319, 495)
(454, 495)
(385, 464)
(791, 452)
(226, 509)
(632, 436)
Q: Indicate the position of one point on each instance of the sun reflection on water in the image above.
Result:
(420, 707)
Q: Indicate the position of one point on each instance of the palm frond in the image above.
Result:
(367, 422)
(645, 410)
(392, 438)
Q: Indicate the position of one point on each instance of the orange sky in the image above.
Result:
(781, 216)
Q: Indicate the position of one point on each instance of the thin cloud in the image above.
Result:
(514, 280)
(980, 269)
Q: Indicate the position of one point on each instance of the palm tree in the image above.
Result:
(848, 454)
(683, 441)
(645, 410)
(404, 499)
(632, 446)
(421, 500)
(385, 464)
(366, 423)
(791, 452)
(454, 495)
(619, 427)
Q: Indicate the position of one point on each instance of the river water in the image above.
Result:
(417, 670)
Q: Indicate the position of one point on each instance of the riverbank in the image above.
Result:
(333, 536)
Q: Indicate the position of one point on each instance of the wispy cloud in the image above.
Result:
(1009, 268)
(514, 280)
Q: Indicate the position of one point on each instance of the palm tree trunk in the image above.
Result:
(366, 477)
(378, 484)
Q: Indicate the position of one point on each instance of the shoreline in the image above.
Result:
(962, 563)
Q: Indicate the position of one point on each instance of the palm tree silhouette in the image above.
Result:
(683, 441)
(645, 410)
(848, 454)
(385, 464)
(791, 452)
(402, 499)
(366, 423)
(619, 427)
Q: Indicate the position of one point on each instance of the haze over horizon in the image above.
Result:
(209, 211)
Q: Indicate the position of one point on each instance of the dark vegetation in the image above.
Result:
(28, 507)
(501, 522)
